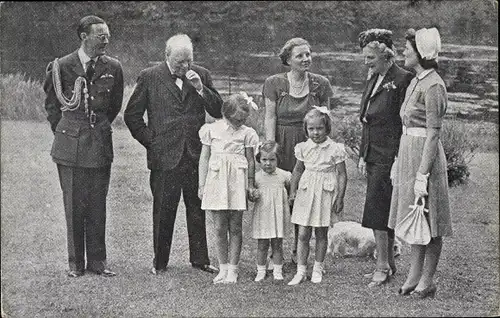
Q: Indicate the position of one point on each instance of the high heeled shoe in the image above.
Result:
(429, 291)
(406, 291)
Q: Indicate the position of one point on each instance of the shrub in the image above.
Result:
(347, 130)
(459, 149)
(21, 98)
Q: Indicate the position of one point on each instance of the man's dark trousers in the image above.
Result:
(166, 186)
(84, 194)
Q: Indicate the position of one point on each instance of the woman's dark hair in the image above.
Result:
(86, 22)
(286, 50)
(324, 117)
(426, 64)
(268, 146)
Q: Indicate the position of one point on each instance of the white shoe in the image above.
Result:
(316, 277)
(278, 276)
(232, 277)
(297, 279)
(220, 277)
(260, 276)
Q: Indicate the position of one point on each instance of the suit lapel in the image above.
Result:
(366, 94)
(389, 76)
(76, 65)
(170, 83)
(100, 67)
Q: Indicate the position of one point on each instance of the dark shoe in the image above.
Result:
(155, 271)
(406, 291)
(380, 276)
(426, 292)
(206, 267)
(75, 274)
(105, 272)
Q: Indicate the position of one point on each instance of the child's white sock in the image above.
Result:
(317, 273)
(300, 276)
(222, 274)
(261, 273)
(232, 274)
(278, 272)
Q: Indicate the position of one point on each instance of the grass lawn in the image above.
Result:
(33, 259)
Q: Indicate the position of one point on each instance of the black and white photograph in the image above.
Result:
(249, 158)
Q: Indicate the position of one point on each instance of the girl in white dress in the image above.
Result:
(271, 215)
(227, 171)
(317, 191)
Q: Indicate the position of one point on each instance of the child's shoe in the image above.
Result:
(232, 274)
(316, 277)
(261, 273)
(278, 272)
(317, 273)
(222, 274)
(300, 276)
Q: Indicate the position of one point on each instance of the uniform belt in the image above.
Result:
(80, 116)
(415, 131)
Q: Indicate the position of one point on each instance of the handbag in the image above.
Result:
(413, 228)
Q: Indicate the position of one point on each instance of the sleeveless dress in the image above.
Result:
(424, 106)
(317, 188)
(271, 215)
(290, 111)
(226, 182)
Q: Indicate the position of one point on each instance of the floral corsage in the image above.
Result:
(390, 85)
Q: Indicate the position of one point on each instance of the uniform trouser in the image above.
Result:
(166, 186)
(84, 193)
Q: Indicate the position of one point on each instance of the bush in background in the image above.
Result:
(21, 98)
(459, 149)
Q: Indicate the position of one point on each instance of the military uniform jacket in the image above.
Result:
(76, 142)
(174, 116)
(382, 128)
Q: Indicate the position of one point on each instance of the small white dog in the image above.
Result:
(351, 239)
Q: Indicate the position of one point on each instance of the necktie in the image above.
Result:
(90, 69)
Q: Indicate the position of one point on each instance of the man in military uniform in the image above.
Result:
(84, 95)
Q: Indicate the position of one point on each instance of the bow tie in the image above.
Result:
(175, 76)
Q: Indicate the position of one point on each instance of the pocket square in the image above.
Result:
(107, 76)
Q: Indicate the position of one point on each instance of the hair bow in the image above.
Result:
(322, 109)
(250, 100)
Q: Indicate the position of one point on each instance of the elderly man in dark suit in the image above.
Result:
(380, 104)
(175, 95)
(84, 95)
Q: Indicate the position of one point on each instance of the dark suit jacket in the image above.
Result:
(174, 116)
(76, 143)
(382, 131)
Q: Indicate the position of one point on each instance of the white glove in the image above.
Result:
(420, 187)
(362, 166)
(394, 171)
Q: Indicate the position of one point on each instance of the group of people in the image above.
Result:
(297, 175)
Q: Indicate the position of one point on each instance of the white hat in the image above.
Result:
(428, 43)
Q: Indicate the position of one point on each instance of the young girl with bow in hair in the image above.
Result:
(227, 173)
(317, 191)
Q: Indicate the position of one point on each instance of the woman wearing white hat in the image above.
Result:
(420, 170)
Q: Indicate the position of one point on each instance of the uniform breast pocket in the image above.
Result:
(65, 146)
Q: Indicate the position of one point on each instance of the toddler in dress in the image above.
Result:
(226, 173)
(317, 190)
(271, 215)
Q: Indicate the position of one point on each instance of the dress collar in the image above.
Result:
(424, 74)
(324, 144)
(227, 126)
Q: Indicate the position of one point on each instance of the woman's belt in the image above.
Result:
(415, 131)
